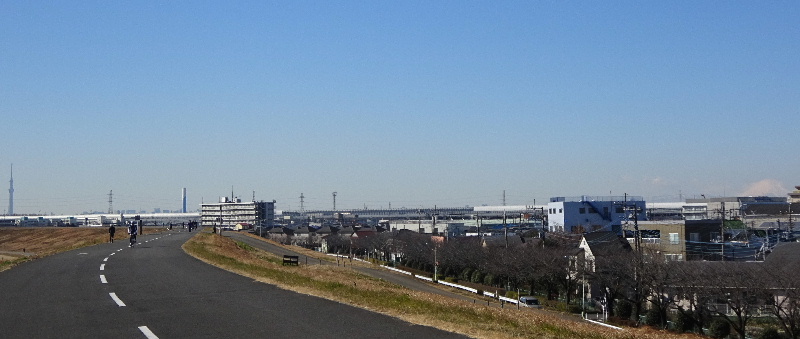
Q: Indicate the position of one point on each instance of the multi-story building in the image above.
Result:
(687, 240)
(593, 213)
(230, 212)
(677, 211)
(794, 197)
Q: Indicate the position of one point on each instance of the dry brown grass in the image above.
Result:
(19, 244)
(347, 286)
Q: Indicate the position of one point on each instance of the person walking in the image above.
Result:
(132, 229)
(111, 231)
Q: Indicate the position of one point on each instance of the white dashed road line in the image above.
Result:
(147, 333)
(117, 299)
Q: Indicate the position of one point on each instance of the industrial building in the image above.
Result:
(593, 213)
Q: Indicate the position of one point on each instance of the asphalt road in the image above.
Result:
(155, 290)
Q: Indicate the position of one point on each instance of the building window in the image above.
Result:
(694, 237)
(560, 210)
(582, 210)
(673, 257)
(674, 239)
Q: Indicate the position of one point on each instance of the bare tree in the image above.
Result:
(690, 289)
(784, 300)
(657, 276)
(561, 270)
(739, 291)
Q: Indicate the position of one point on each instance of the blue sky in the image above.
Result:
(408, 103)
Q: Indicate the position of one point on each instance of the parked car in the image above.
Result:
(528, 301)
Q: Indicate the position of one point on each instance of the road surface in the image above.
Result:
(155, 290)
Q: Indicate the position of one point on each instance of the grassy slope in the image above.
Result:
(335, 283)
(349, 287)
(37, 242)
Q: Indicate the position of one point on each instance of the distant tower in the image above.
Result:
(110, 201)
(183, 199)
(334, 201)
(11, 192)
(302, 201)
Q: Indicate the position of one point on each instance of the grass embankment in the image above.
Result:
(347, 286)
(21, 244)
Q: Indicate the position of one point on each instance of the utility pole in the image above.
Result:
(627, 209)
(722, 233)
(505, 227)
(504, 197)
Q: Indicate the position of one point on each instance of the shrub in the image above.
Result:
(623, 309)
(451, 280)
(576, 309)
(466, 274)
(653, 317)
(477, 277)
(448, 271)
(489, 280)
(770, 333)
(512, 295)
(719, 329)
(683, 323)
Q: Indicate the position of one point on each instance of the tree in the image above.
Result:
(657, 276)
(562, 268)
(784, 300)
(739, 291)
(690, 290)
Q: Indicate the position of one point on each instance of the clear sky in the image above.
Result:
(408, 103)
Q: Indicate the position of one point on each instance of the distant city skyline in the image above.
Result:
(410, 104)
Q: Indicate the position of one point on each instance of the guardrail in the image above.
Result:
(473, 290)
(508, 300)
(347, 257)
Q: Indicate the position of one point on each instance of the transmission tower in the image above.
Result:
(110, 201)
(11, 192)
(302, 201)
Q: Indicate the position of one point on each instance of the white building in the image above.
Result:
(592, 213)
(229, 213)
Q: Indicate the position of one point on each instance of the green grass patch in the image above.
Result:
(6, 264)
(245, 247)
